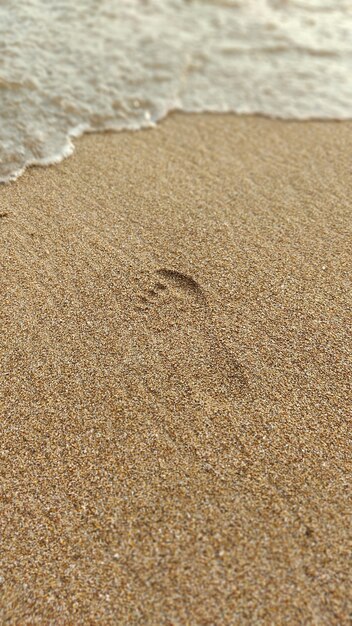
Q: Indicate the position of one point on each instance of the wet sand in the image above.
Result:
(176, 378)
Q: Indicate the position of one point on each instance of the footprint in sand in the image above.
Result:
(170, 283)
(185, 336)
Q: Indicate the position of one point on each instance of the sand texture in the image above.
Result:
(176, 378)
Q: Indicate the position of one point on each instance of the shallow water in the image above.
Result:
(89, 65)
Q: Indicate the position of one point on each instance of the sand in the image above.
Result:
(175, 378)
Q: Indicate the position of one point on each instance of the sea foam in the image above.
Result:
(88, 65)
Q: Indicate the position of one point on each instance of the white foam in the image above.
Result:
(70, 67)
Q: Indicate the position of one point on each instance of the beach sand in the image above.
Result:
(176, 382)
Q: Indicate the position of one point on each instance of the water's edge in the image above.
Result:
(87, 67)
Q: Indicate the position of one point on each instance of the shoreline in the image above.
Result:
(78, 133)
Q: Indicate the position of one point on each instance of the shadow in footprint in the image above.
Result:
(183, 282)
(185, 338)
